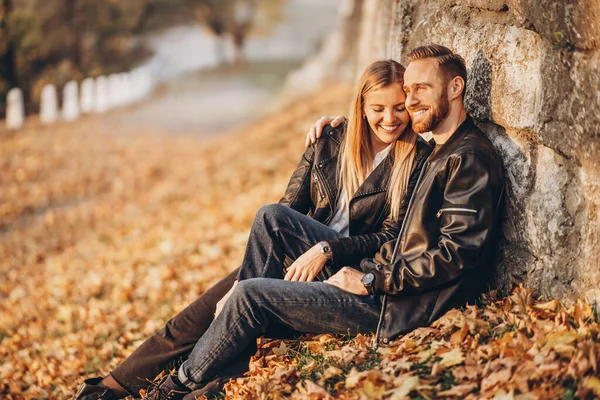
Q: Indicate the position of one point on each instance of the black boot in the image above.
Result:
(211, 389)
(233, 371)
(93, 389)
(169, 388)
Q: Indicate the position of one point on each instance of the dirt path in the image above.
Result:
(205, 102)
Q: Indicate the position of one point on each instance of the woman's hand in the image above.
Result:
(307, 266)
(222, 302)
(317, 129)
(349, 280)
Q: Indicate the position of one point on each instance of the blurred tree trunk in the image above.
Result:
(76, 24)
(239, 35)
(217, 27)
(8, 54)
(145, 15)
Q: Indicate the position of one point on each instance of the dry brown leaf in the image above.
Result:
(459, 390)
(329, 373)
(495, 378)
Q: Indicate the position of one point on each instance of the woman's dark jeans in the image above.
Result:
(279, 235)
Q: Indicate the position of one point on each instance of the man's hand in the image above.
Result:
(222, 302)
(317, 129)
(349, 280)
(307, 266)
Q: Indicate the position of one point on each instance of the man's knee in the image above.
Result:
(248, 292)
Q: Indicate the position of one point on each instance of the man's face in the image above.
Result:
(426, 94)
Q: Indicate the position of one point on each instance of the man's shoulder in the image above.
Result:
(476, 143)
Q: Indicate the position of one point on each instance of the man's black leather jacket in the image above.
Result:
(313, 190)
(445, 246)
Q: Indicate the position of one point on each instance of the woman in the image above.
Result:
(343, 202)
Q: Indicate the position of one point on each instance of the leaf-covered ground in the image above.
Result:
(106, 232)
(505, 348)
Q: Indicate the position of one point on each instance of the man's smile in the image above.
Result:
(419, 113)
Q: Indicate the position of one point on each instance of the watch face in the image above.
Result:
(368, 279)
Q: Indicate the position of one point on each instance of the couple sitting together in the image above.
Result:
(378, 232)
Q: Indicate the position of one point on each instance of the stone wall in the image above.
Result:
(534, 89)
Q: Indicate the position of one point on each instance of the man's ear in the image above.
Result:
(456, 87)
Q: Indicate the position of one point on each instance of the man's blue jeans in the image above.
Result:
(259, 302)
(279, 235)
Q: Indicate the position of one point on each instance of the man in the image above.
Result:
(439, 261)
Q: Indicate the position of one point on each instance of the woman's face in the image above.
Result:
(386, 115)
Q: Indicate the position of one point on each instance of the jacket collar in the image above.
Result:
(451, 144)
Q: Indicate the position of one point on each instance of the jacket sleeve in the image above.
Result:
(349, 250)
(297, 194)
(462, 236)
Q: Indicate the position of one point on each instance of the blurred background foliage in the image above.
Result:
(54, 41)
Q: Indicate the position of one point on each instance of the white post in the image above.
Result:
(101, 103)
(48, 105)
(114, 90)
(127, 95)
(87, 94)
(15, 109)
(70, 106)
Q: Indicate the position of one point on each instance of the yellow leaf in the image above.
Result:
(593, 383)
(373, 391)
(353, 378)
(557, 338)
(282, 350)
(552, 305)
(409, 383)
(453, 357)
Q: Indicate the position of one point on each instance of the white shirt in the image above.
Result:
(341, 218)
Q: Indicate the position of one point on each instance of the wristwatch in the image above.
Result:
(326, 249)
(368, 280)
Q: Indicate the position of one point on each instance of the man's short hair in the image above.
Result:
(450, 63)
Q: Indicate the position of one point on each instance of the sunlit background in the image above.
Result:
(137, 140)
(205, 65)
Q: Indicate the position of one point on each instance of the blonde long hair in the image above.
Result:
(356, 161)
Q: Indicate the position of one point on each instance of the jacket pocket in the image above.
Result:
(456, 210)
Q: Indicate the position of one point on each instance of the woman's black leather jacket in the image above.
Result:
(313, 190)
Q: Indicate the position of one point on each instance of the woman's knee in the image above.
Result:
(271, 213)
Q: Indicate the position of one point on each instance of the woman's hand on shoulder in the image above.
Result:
(316, 130)
(307, 266)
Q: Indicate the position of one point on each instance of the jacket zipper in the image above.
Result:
(395, 253)
(455, 209)
(324, 192)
